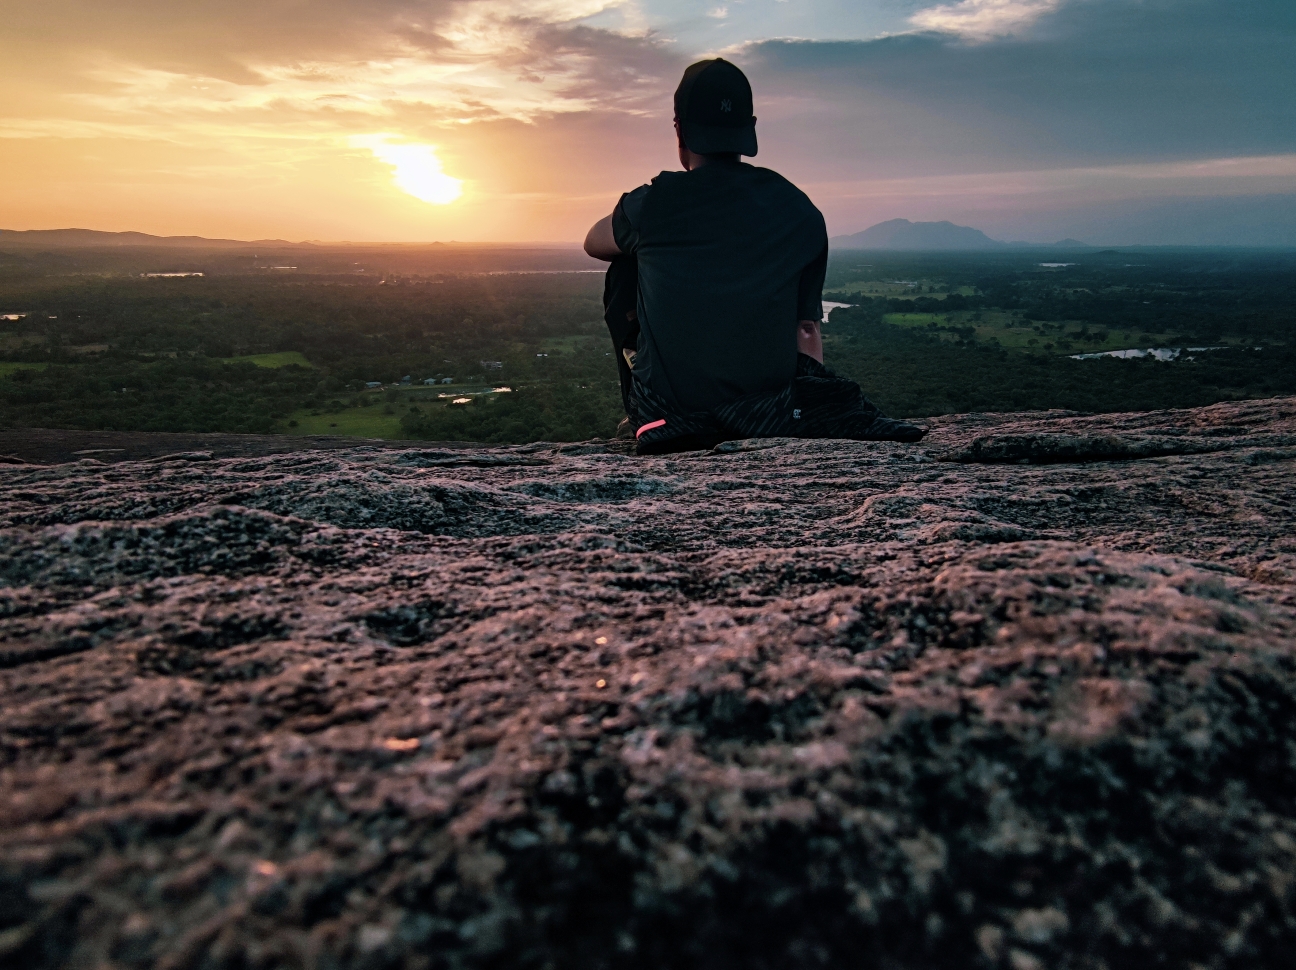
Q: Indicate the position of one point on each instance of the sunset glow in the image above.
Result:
(526, 119)
(415, 169)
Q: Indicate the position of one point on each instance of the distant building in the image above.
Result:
(431, 380)
(373, 384)
(405, 379)
(447, 380)
(491, 364)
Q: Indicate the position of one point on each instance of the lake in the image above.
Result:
(1160, 353)
(830, 307)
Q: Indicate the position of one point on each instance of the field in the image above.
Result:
(900, 289)
(576, 344)
(924, 334)
(12, 342)
(1016, 332)
(359, 422)
(378, 414)
(281, 359)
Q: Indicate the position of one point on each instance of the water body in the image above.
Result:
(830, 307)
(1160, 353)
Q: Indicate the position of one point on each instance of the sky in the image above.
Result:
(1111, 121)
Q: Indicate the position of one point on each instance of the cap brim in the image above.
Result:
(711, 140)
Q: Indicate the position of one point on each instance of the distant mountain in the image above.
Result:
(81, 238)
(95, 239)
(903, 234)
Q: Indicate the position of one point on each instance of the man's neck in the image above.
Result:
(692, 160)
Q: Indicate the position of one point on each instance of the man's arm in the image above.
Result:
(810, 339)
(810, 302)
(599, 241)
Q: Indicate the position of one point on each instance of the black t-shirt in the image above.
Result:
(730, 258)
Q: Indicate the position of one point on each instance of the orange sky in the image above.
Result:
(281, 118)
(497, 120)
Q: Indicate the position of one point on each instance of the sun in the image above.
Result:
(415, 168)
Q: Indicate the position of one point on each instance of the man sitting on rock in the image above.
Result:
(714, 294)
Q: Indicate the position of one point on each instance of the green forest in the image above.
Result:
(514, 356)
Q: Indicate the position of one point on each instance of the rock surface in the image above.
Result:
(1020, 696)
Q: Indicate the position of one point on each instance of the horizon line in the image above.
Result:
(1001, 246)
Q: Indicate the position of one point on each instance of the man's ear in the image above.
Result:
(682, 148)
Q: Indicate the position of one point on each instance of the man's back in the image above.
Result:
(730, 257)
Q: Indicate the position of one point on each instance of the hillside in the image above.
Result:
(901, 234)
(79, 238)
(1019, 696)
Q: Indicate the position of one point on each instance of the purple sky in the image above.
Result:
(1112, 121)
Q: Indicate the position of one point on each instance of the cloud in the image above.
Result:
(1229, 201)
(1262, 175)
(546, 117)
(983, 19)
(1111, 82)
(1230, 220)
(147, 55)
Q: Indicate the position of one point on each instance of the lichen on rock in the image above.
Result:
(777, 704)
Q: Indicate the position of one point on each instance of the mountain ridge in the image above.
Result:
(901, 234)
(92, 238)
(78, 238)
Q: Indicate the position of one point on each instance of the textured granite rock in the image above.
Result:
(1021, 696)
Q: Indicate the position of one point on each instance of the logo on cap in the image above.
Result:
(726, 105)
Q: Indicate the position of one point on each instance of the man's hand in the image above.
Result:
(809, 336)
(599, 241)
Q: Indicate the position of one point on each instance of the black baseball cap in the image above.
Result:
(713, 105)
